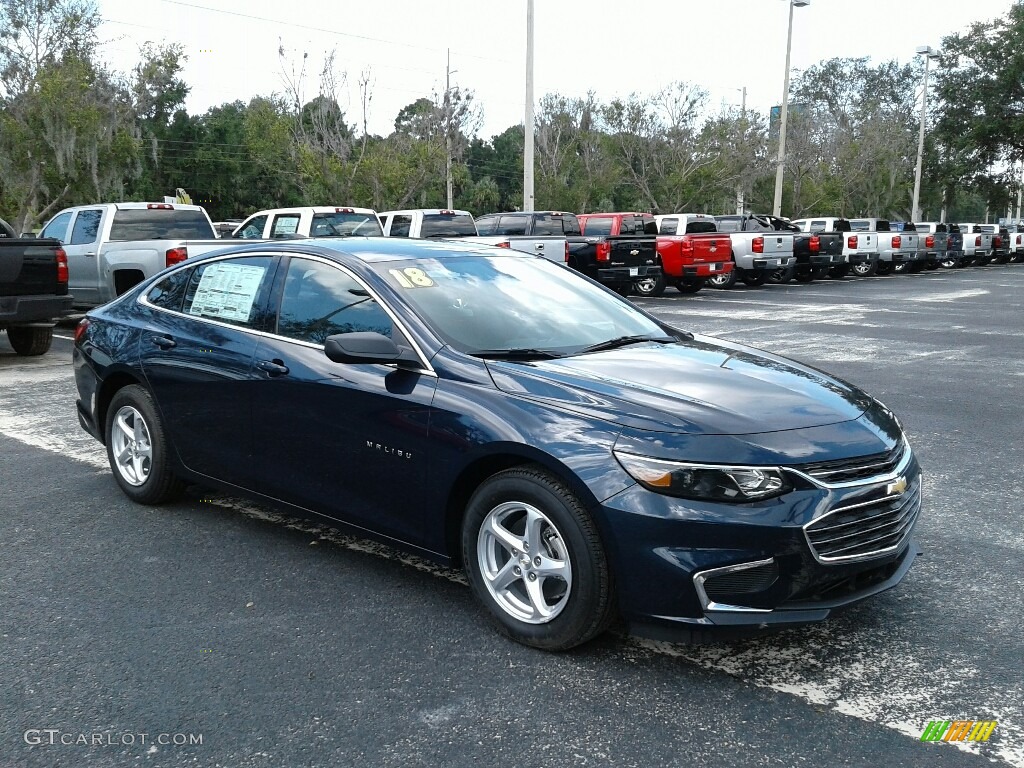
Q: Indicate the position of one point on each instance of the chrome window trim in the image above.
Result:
(709, 605)
(898, 470)
(425, 368)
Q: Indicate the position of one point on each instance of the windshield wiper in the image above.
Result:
(623, 341)
(521, 353)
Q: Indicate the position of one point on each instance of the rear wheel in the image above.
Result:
(865, 268)
(839, 272)
(982, 261)
(755, 279)
(535, 560)
(650, 286)
(901, 267)
(689, 285)
(725, 280)
(948, 262)
(29, 341)
(780, 276)
(805, 276)
(137, 448)
(884, 267)
(931, 264)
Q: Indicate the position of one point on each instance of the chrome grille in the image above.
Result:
(863, 531)
(860, 468)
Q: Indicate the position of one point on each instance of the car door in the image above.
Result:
(196, 352)
(348, 441)
(82, 248)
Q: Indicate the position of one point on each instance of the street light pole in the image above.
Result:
(915, 211)
(528, 120)
(777, 208)
(743, 123)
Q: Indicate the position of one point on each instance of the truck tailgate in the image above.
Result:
(776, 245)
(28, 267)
(710, 247)
(632, 250)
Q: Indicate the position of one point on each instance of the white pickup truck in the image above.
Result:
(459, 225)
(893, 247)
(860, 250)
(757, 250)
(112, 247)
(317, 221)
(978, 246)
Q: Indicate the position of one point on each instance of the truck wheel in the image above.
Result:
(650, 286)
(689, 285)
(948, 263)
(839, 272)
(780, 276)
(865, 268)
(931, 264)
(622, 290)
(137, 448)
(755, 279)
(805, 276)
(884, 267)
(30, 341)
(901, 268)
(724, 280)
(982, 261)
(535, 560)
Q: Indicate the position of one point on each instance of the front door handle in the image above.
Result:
(164, 342)
(539, 246)
(273, 367)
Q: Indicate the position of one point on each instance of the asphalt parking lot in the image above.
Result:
(280, 643)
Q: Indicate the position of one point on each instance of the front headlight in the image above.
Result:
(708, 482)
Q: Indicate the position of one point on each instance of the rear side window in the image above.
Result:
(628, 226)
(669, 226)
(400, 226)
(342, 224)
(230, 290)
(58, 228)
(160, 224)
(511, 225)
(547, 224)
(87, 227)
(320, 300)
(597, 226)
(570, 225)
(447, 225)
(648, 224)
(696, 227)
(169, 293)
(252, 229)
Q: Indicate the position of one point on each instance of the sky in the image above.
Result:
(611, 48)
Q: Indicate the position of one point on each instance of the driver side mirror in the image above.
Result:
(363, 347)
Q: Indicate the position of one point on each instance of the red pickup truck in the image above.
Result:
(690, 250)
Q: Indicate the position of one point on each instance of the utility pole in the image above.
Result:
(781, 162)
(448, 127)
(1016, 218)
(743, 123)
(915, 210)
(528, 119)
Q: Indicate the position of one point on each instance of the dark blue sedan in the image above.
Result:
(580, 459)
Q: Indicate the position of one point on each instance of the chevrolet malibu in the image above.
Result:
(581, 460)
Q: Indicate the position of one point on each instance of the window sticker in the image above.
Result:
(411, 277)
(227, 291)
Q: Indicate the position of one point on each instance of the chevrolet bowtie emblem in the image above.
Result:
(714, 247)
(634, 253)
(897, 488)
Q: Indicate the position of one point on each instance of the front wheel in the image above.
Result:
(865, 268)
(30, 341)
(689, 285)
(650, 286)
(535, 560)
(724, 280)
(137, 448)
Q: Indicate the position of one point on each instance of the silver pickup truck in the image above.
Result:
(757, 250)
(977, 244)
(893, 247)
(114, 246)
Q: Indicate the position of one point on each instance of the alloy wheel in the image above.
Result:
(132, 446)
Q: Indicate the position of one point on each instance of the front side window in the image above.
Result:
(669, 226)
(511, 225)
(345, 224)
(485, 225)
(320, 300)
(285, 225)
(548, 224)
(58, 227)
(230, 290)
(87, 227)
(400, 226)
(252, 229)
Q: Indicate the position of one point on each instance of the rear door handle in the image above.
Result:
(164, 342)
(539, 246)
(273, 367)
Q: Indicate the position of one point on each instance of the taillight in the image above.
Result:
(851, 241)
(81, 328)
(1018, 239)
(62, 265)
(997, 241)
(758, 245)
(686, 247)
(897, 241)
(175, 256)
(566, 251)
(504, 244)
(929, 241)
(604, 251)
(977, 241)
(815, 243)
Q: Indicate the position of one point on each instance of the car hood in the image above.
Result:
(704, 386)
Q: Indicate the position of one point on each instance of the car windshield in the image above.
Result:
(344, 224)
(492, 304)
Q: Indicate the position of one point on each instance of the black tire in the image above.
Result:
(931, 265)
(30, 341)
(780, 276)
(650, 286)
(948, 263)
(915, 267)
(622, 289)
(569, 536)
(839, 271)
(884, 267)
(1017, 257)
(689, 285)
(805, 276)
(159, 484)
(755, 279)
(724, 281)
(866, 268)
(982, 261)
(901, 267)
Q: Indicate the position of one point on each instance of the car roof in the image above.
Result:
(427, 211)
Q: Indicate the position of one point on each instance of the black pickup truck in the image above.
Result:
(33, 290)
(818, 254)
(622, 261)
